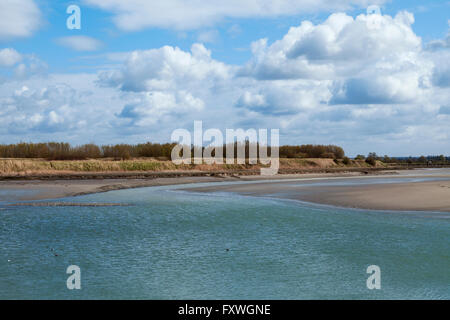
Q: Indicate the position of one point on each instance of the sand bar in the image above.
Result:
(353, 189)
(28, 190)
(358, 192)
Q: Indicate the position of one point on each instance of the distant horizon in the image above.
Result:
(447, 156)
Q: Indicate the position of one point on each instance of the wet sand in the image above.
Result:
(418, 196)
(358, 192)
(386, 191)
(28, 190)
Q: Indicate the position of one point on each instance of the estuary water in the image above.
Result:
(172, 244)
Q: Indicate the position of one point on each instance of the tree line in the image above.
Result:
(372, 157)
(65, 151)
(312, 151)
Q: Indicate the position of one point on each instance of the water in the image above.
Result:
(171, 244)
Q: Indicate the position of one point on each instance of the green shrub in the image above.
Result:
(372, 161)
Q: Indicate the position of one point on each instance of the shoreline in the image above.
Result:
(315, 188)
(87, 175)
(45, 189)
(423, 192)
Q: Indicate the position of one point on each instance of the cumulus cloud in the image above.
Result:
(441, 70)
(167, 68)
(346, 76)
(252, 100)
(282, 98)
(18, 18)
(18, 66)
(153, 107)
(30, 66)
(44, 109)
(440, 43)
(439, 52)
(340, 46)
(370, 59)
(349, 78)
(9, 57)
(169, 84)
(71, 105)
(340, 81)
(80, 43)
(135, 15)
(444, 110)
(380, 89)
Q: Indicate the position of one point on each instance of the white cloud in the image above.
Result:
(167, 68)
(168, 84)
(154, 107)
(441, 70)
(31, 66)
(440, 43)
(135, 15)
(338, 81)
(340, 46)
(18, 18)
(439, 53)
(319, 82)
(41, 109)
(35, 109)
(208, 36)
(9, 57)
(80, 43)
(20, 66)
(364, 63)
(252, 100)
(286, 97)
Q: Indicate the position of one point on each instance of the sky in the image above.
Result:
(370, 76)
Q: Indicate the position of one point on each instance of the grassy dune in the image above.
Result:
(41, 166)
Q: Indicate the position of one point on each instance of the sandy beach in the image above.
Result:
(29, 190)
(416, 195)
(352, 189)
(419, 196)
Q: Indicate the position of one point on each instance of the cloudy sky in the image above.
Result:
(322, 71)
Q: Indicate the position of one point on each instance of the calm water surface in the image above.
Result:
(170, 244)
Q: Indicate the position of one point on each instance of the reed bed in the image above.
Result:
(33, 166)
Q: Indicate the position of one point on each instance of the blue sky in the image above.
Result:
(316, 70)
(233, 37)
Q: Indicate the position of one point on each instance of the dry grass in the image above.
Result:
(34, 166)
(28, 166)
